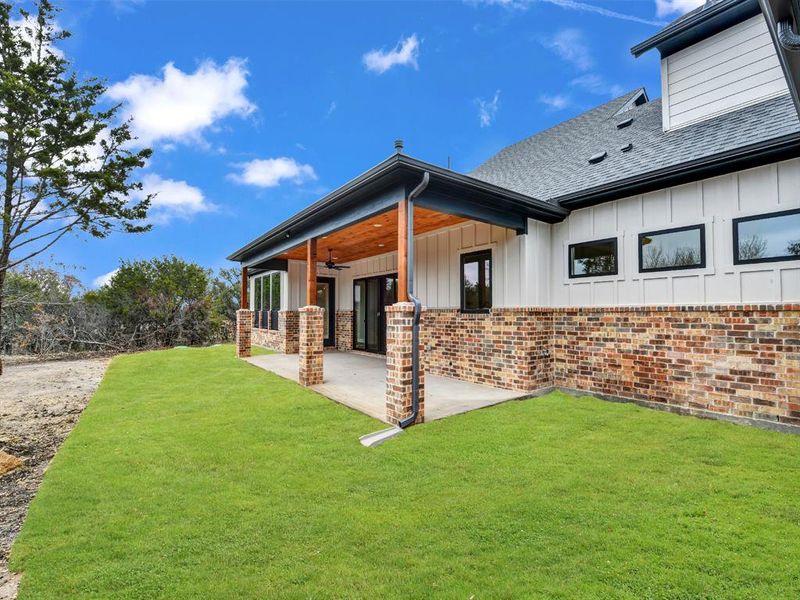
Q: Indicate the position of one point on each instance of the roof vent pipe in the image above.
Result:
(398, 146)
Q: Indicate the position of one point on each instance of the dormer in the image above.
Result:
(715, 59)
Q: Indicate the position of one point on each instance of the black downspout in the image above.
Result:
(417, 305)
(790, 41)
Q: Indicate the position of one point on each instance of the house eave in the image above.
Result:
(397, 173)
(703, 24)
(746, 157)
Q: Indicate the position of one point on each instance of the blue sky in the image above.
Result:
(254, 109)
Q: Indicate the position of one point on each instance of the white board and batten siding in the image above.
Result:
(724, 72)
(714, 202)
(532, 269)
(437, 275)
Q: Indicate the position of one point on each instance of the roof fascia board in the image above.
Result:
(692, 29)
(366, 196)
(472, 210)
(273, 264)
(338, 219)
(321, 204)
(747, 157)
(492, 193)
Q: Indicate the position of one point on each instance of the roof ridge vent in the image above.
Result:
(596, 158)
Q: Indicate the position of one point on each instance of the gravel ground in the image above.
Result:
(39, 405)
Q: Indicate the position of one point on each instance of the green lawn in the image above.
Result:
(194, 475)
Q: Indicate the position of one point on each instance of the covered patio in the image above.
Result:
(379, 212)
(359, 381)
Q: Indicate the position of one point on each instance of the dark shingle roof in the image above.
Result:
(555, 163)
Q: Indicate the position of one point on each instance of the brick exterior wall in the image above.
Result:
(285, 339)
(311, 339)
(244, 328)
(344, 330)
(505, 348)
(741, 361)
(399, 322)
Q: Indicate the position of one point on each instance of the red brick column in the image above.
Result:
(311, 337)
(244, 331)
(399, 320)
(288, 325)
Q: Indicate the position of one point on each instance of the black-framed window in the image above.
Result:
(770, 237)
(476, 281)
(673, 249)
(267, 299)
(592, 259)
(275, 300)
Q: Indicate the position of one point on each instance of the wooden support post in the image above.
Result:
(311, 272)
(402, 250)
(244, 301)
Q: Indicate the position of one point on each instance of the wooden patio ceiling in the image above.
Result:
(372, 236)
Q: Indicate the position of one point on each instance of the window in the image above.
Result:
(275, 300)
(589, 259)
(267, 299)
(767, 238)
(476, 281)
(672, 249)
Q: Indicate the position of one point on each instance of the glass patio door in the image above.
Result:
(370, 297)
(326, 298)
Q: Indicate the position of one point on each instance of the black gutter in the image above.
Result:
(747, 157)
(778, 15)
(703, 23)
(398, 163)
(412, 418)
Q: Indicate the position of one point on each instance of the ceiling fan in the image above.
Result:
(332, 265)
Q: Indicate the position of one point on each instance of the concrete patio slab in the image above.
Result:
(359, 381)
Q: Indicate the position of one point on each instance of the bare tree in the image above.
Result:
(753, 247)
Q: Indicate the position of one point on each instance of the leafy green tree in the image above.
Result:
(224, 291)
(160, 302)
(64, 164)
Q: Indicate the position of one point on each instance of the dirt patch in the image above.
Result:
(39, 405)
(8, 463)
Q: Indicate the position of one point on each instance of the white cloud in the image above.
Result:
(174, 199)
(270, 172)
(569, 44)
(487, 109)
(331, 109)
(104, 279)
(179, 107)
(555, 101)
(596, 84)
(576, 6)
(671, 7)
(404, 53)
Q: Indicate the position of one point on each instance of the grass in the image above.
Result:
(192, 474)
